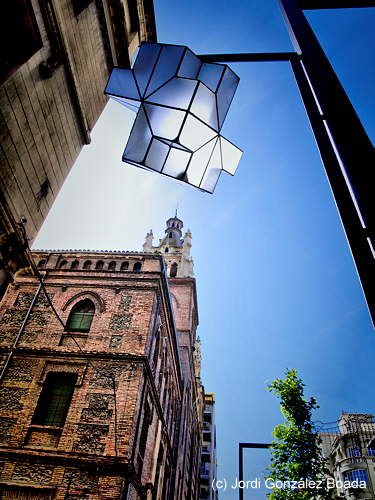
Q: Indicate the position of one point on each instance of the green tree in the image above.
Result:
(296, 455)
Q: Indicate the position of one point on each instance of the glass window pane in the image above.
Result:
(174, 145)
(177, 93)
(199, 162)
(166, 66)
(165, 122)
(132, 105)
(204, 106)
(156, 155)
(225, 93)
(121, 83)
(176, 163)
(212, 174)
(144, 64)
(139, 139)
(195, 134)
(54, 400)
(210, 75)
(190, 65)
(231, 156)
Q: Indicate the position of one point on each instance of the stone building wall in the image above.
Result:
(131, 344)
(51, 101)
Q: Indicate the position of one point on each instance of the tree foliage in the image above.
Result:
(296, 455)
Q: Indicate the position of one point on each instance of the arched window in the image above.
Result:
(112, 266)
(125, 266)
(42, 263)
(173, 272)
(80, 317)
(87, 265)
(63, 264)
(137, 267)
(99, 265)
(170, 235)
(166, 250)
(75, 264)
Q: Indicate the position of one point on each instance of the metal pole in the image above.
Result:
(240, 469)
(241, 446)
(346, 150)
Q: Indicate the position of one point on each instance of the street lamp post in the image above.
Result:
(346, 150)
(241, 447)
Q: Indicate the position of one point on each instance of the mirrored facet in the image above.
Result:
(174, 145)
(210, 179)
(230, 155)
(156, 155)
(225, 93)
(145, 63)
(204, 106)
(177, 93)
(165, 122)
(139, 139)
(213, 170)
(190, 65)
(176, 163)
(166, 67)
(199, 162)
(132, 105)
(210, 75)
(121, 83)
(195, 133)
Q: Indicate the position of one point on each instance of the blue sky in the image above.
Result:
(276, 284)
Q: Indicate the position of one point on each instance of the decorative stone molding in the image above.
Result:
(124, 303)
(24, 299)
(10, 398)
(91, 438)
(38, 319)
(98, 407)
(80, 478)
(95, 297)
(115, 342)
(64, 367)
(120, 321)
(22, 370)
(32, 473)
(6, 425)
(13, 318)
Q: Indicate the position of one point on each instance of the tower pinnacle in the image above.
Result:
(174, 247)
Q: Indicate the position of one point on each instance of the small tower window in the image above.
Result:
(173, 272)
(54, 400)
(112, 266)
(74, 265)
(167, 250)
(63, 264)
(81, 316)
(42, 263)
(124, 266)
(99, 265)
(87, 265)
(137, 267)
(170, 235)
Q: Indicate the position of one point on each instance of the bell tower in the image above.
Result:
(174, 248)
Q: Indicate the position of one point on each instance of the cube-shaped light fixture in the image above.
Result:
(181, 103)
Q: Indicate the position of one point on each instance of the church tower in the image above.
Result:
(182, 288)
(174, 248)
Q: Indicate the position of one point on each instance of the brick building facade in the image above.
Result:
(54, 64)
(110, 405)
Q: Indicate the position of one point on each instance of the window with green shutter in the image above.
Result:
(80, 318)
(54, 400)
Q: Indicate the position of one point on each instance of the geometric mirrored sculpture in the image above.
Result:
(181, 104)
